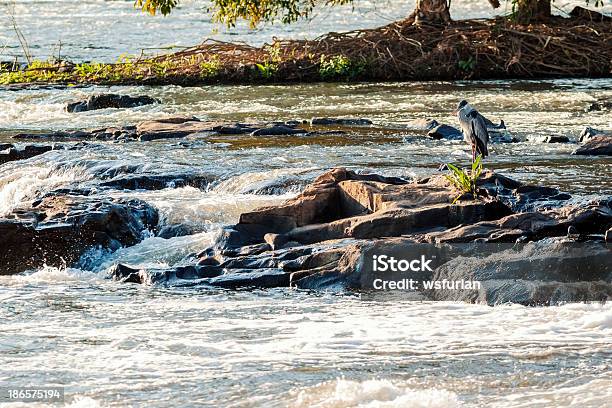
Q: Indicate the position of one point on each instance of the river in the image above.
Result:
(116, 344)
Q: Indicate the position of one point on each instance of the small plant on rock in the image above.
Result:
(465, 180)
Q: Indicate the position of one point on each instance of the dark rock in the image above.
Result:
(56, 136)
(259, 278)
(12, 153)
(105, 101)
(550, 139)
(60, 228)
(159, 181)
(599, 106)
(596, 146)
(340, 122)
(278, 130)
(445, 132)
(175, 230)
(608, 235)
(492, 126)
(124, 273)
(234, 129)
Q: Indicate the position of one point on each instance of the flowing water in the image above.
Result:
(113, 344)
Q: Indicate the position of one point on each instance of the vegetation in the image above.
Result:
(288, 11)
(464, 180)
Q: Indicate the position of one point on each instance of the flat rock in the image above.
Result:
(595, 146)
(278, 130)
(550, 139)
(105, 101)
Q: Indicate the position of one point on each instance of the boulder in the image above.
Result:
(106, 101)
(57, 229)
(143, 181)
(445, 132)
(10, 153)
(595, 146)
(173, 128)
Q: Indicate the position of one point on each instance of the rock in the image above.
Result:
(596, 146)
(550, 139)
(589, 133)
(59, 136)
(175, 230)
(142, 181)
(11, 153)
(445, 132)
(340, 122)
(172, 128)
(278, 130)
(59, 228)
(599, 106)
(105, 101)
(608, 236)
(326, 237)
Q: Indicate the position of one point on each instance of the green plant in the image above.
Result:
(210, 68)
(463, 180)
(267, 69)
(340, 66)
(467, 65)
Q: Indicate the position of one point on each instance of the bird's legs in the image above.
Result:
(473, 154)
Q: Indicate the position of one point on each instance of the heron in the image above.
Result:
(474, 128)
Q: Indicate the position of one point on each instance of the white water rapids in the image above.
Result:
(116, 345)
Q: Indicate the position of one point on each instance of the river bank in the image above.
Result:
(467, 49)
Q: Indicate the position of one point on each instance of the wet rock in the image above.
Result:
(325, 239)
(608, 235)
(158, 181)
(596, 146)
(11, 153)
(76, 135)
(175, 230)
(172, 128)
(278, 130)
(599, 106)
(589, 133)
(106, 101)
(550, 139)
(492, 126)
(445, 132)
(58, 229)
(128, 274)
(340, 122)
(234, 129)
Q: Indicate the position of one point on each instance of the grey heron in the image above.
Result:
(474, 128)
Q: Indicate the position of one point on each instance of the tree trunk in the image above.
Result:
(431, 12)
(528, 11)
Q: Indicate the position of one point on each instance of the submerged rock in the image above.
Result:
(423, 124)
(278, 130)
(57, 229)
(596, 146)
(105, 101)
